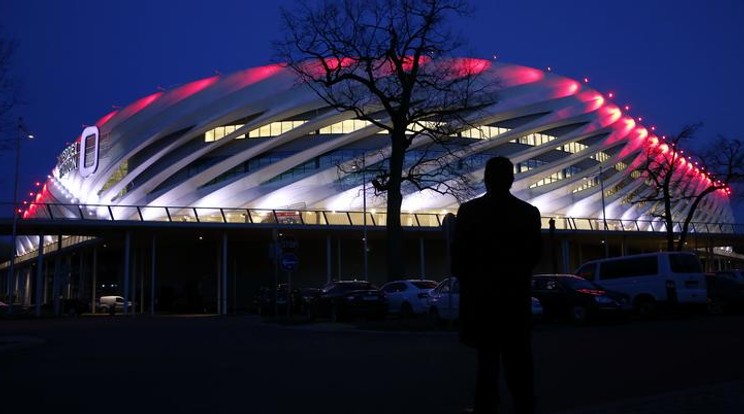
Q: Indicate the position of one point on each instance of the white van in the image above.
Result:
(110, 304)
(652, 279)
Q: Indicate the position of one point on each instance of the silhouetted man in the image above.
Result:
(496, 245)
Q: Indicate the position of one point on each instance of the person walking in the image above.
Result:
(497, 242)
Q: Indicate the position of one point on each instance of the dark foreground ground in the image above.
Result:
(242, 364)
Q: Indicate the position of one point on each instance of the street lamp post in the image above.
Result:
(604, 213)
(364, 211)
(11, 268)
(355, 168)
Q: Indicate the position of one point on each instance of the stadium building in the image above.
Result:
(257, 154)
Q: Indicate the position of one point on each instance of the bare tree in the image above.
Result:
(673, 192)
(724, 159)
(389, 62)
(8, 85)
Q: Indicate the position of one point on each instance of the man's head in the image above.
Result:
(499, 174)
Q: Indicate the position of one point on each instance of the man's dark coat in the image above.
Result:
(496, 245)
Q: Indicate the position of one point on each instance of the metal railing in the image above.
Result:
(186, 214)
(636, 225)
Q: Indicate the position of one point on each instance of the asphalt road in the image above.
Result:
(240, 364)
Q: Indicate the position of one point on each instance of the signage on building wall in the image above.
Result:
(88, 151)
(68, 160)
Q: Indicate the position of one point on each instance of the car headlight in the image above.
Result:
(604, 300)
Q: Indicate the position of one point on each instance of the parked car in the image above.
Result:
(73, 307)
(735, 274)
(257, 299)
(348, 299)
(653, 280)
(572, 297)
(70, 307)
(725, 294)
(538, 311)
(110, 304)
(444, 302)
(408, 297)
(270, 302)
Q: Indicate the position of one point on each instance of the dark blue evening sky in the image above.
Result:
(675, 62)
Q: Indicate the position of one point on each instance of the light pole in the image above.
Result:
(11, 269)
(364, 211)
(604, 214)
(355, 166)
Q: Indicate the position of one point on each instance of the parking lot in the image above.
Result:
(243, 364)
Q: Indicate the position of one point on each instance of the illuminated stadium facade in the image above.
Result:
(257, 139)
(257, 150)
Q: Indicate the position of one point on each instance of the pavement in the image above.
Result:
(8, 343)
(720, 398)
(724, 398)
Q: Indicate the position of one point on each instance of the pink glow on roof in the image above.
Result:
(593, 99)
(317, 67)
(254, 75)
(41, 197)
(189, 89)
(335, 63)
(408, 62)
(642, 132)
(388, 67)
(610, 113)
(568, 87)
(105, 118)
(139, 105)
(469, 67)
(461, 67)
(519, 75)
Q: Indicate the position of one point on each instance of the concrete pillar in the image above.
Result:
(39, 273)
(127, 258)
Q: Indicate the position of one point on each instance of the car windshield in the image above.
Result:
(348, 286)
(424, 284)
(576, 283)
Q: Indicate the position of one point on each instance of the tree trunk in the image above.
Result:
(395, 259)
(668, 211)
